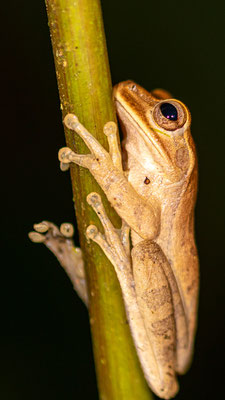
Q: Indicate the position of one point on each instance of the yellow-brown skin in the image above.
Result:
(154, 194)
(168, 159)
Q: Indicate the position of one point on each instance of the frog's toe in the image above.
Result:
(94, 199)
(110, 128)
(65, 154)
(71, 121)
(36, 237)
(46, 231)
(67, 229)
(42, 227)
(64, 166)
(92, 232)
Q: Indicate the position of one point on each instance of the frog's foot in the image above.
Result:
(106, 168)
(61, 244)
(114, 242)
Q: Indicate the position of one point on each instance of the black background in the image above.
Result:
(45, 340)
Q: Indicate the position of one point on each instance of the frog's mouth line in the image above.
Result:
(145, 135)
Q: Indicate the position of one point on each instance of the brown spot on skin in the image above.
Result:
(160, 328)
(147, 181)
(182, 157)
(170, 347)
(166, 337)
(193, 251)
(59, 249)
(156, 298)
(192, 285)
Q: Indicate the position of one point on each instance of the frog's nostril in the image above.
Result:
(169, 111)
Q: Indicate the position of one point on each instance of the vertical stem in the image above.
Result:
(83, 76)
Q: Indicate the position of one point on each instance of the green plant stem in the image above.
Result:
(84, 83)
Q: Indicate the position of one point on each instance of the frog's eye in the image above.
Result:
(169, 115)
(169, 111)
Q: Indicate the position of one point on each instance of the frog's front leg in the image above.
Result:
(106, 169)
(60, 242)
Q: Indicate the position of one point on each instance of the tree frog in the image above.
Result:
(154, 191)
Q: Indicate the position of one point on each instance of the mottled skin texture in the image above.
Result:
(154, 194)
(173, 183)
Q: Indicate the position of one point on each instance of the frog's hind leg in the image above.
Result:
(115, 245)
(155, 301)
(61, 244)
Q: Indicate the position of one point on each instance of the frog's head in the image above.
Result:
(162, 124)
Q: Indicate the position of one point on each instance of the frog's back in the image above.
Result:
(177, 241)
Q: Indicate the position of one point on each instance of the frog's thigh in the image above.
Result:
(155, 303)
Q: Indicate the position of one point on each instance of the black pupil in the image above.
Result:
(169, 111)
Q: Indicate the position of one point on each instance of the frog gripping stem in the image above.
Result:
(59, 241)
